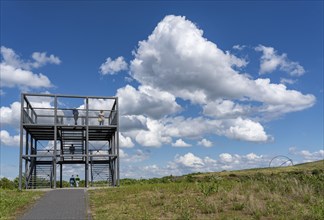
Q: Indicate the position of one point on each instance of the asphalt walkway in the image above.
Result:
(60, 204)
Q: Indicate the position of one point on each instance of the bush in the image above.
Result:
(5, 183)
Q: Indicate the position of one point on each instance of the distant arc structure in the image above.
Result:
(285, 161)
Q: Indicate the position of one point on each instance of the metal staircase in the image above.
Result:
(40, 176)
(72, 145)
(100, 174)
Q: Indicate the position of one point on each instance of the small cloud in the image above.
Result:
(189, 160)
(9, 57)
(270, 61)
(238, 47)
(287, 81)
(113, 66)
(42, 59)
(180, 143)
(206, 143)
(225, 158)
(307, 155)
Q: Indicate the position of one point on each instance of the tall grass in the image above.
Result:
(13, 202)
(237, 195)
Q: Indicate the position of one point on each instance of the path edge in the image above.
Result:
(87, 200)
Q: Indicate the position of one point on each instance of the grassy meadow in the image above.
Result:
(13, 202)
(295, 192)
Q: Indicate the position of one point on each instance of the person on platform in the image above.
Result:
(72, 150)
(101, 117)
(75, 113)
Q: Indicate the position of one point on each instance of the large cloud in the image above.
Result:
(238, 128)
(160, 132)
(177, 58)
(176, 61)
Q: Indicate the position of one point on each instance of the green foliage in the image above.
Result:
(7, 184)
(208, 188)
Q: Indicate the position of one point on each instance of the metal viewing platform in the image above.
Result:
(58, 131)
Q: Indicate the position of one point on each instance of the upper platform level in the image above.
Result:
(69, 110)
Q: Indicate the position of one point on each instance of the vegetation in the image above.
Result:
(295, 192)
(13, 202)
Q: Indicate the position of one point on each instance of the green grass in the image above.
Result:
(13, 202)
(274, 193)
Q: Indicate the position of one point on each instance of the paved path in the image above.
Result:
(60, 204)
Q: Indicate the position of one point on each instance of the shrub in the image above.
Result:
(5, 183)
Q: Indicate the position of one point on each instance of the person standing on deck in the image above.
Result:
(101, 117)
(75, 115)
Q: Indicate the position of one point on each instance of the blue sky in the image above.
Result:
(203, 86)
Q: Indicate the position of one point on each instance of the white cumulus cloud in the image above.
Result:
(154, 136)
(180, 143)
(244, 129)
(206, 143)
(10, 115)
(225, 109)
(125, 142)
(146, 101)
(225, 157)
(307, 155)
(270, 61)
(177, 58)
(177, 62)
(8, 140)
(113, 66)
(11, 77)
(189, 160)
(41, 59)
(17, 72)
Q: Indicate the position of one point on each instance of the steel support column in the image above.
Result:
(86, 168)
(21, 141)
(55, 141)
